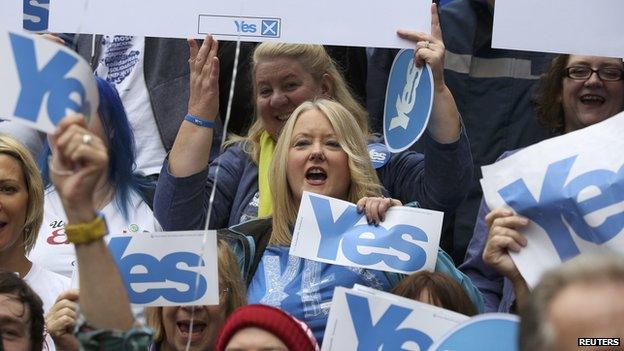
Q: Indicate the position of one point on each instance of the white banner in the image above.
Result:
(165, 269)
(11, 15)
(332, 231)
(561, 26)
(367, 319)
(341, 22)
(42, 82)
(572, 189)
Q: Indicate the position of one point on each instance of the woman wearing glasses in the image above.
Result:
(576, 92)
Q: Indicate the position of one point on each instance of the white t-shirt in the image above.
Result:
(121, 64)
(54, 252)
(48, 285)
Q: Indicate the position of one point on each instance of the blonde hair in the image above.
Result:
(230, 281)
(364, 181)
(317, 62)
(34, 185)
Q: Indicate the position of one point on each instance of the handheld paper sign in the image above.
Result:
(43, 82)
(165, 269)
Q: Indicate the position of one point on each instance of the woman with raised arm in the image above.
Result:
(322, 150)
(79, 157)
(284, 76)
(121, 193)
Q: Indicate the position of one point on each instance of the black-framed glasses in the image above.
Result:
(607, 74)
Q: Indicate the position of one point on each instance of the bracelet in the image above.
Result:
(85, 233)
(199, 122)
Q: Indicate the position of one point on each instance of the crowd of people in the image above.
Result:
(156, 158)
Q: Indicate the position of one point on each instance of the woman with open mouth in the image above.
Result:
(175, 326)
(321, 150)
(576, 92)
(284, 76)
(21, 215)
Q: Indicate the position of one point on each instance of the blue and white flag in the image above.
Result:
(168, 269)
(332, 231)
(571, 188)
(362, 319)
(486, 332)
(409, 99)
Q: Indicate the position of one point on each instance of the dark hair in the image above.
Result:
(11, 284)
(442, 290)
(121, 149)
(548, 102)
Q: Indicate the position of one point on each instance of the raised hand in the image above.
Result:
(78, 160)
(502, 238)
(204, 82)
(429, 47)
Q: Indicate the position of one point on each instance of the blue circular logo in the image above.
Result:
(409, 99)
(378, 154)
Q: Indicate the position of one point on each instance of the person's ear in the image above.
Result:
(327, 86)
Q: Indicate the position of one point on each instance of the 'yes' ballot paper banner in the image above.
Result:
(485, 332)
(561, 26)
(367, 319)
(571, 188)
(333, 22)
(409, 99)
(332, 231)
(42, 82)
(11, 15)
(166, 269)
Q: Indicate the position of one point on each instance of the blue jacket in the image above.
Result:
(249, 240)
(438, 181)
(497, 290)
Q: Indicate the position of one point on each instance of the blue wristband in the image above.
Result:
(199, 122)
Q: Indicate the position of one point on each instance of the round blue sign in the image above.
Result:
(486, 332)
(409, 99)
(378, 154)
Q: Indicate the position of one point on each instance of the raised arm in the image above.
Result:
(440, 180)
(79, 158)
(191, 150)
(444, 125)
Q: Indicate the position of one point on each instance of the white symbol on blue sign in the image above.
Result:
(378, 154)
(270, 28)
(36, 13)
(476, 334)
(409, 99)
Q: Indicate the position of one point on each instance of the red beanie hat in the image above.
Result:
(295, 334)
